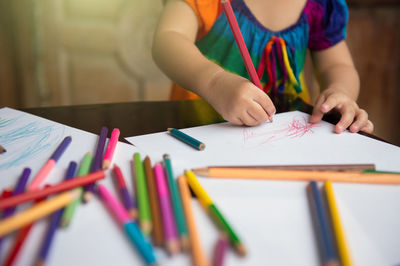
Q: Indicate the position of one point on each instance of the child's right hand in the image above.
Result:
(238, 100)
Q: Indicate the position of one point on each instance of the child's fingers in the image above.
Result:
(347, 117)
(317, 114)
(369, 128)
(360, 121)
(265, 102)
(257, 113)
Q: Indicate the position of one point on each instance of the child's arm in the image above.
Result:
(234, 97)
(340, 84)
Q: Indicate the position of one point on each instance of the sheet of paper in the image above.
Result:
(273, 217)
(93, 238)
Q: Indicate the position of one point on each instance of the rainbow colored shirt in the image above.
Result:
(278, 56)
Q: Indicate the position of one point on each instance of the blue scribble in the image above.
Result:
(24, 140)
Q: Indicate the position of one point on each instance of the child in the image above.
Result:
(194, 46)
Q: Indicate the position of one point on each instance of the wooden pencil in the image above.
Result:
(198, 256)
(96, 164)
(176, 203)
(158, 231)
(167, 214)
(370, 177)
(306, 167)
(323, 229)
(110, 148)
(198, 145)
(69, 211)
(62, 186)
(214, 212)
(38, 211)
(126, 197)
(220, 250)
(143, 203)
(2, 149)
(338, 230)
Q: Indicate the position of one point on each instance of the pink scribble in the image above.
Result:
(297, 128)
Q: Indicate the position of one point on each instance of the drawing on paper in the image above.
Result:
(26, 139)
(297, 128)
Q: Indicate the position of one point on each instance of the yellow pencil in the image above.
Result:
(214, 212)
(337, 226)
(36, 212)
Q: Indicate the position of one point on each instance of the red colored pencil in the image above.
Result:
(19, 241)
(62, 186)
(240, 42)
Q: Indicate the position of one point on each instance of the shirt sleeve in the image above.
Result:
(207, 11)
(327, 21)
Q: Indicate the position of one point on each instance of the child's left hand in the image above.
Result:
(351, 114)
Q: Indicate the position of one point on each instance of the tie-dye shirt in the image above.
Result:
(278, 56)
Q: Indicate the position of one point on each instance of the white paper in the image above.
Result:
(273, 217)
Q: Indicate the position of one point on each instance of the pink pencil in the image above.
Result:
(110, 148)
(240, 42)
(170, 231)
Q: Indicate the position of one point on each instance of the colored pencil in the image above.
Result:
(198, 256)
(96, 164)
(62, 186)
(176, 203)
(302, 175)
(226, 5)
(127, 199)
(129, 226)
(198, 145)
(306, 167)
(41, 175)
(145, 220)
(110, 148)
(19, 188)
(158, 232)
(170, 230)
(322, 226)
(215, 214)
(55, 220)
(38, 211)
(220, 250)
(20, 238)
(2, 149)
(338, 230)
(84, 169)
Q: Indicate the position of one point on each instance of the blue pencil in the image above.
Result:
(198, 145)
(19, 188)
(97, 163)
(324, 233)
(55, 219)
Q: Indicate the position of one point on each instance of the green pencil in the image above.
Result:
(176, 204)
(215, 214)
(142, 195)
(69, 211)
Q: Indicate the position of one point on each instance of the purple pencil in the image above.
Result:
(127, 200)
(55, 219)
(220, 250)
(96, 164)
(41, 175)
(19, 188)
(170, 231)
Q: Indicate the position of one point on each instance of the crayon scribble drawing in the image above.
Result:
(26, 138)
(296, 128)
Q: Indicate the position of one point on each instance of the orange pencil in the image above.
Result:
(198, 256)
(370, 177)
(158, 232)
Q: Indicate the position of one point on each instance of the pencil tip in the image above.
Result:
(185, 243)
(241, 250)
(173, 247)
(106, 164)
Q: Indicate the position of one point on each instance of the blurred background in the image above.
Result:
(68, 52)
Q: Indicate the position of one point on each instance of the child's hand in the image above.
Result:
(238, 100)
(351, 114)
